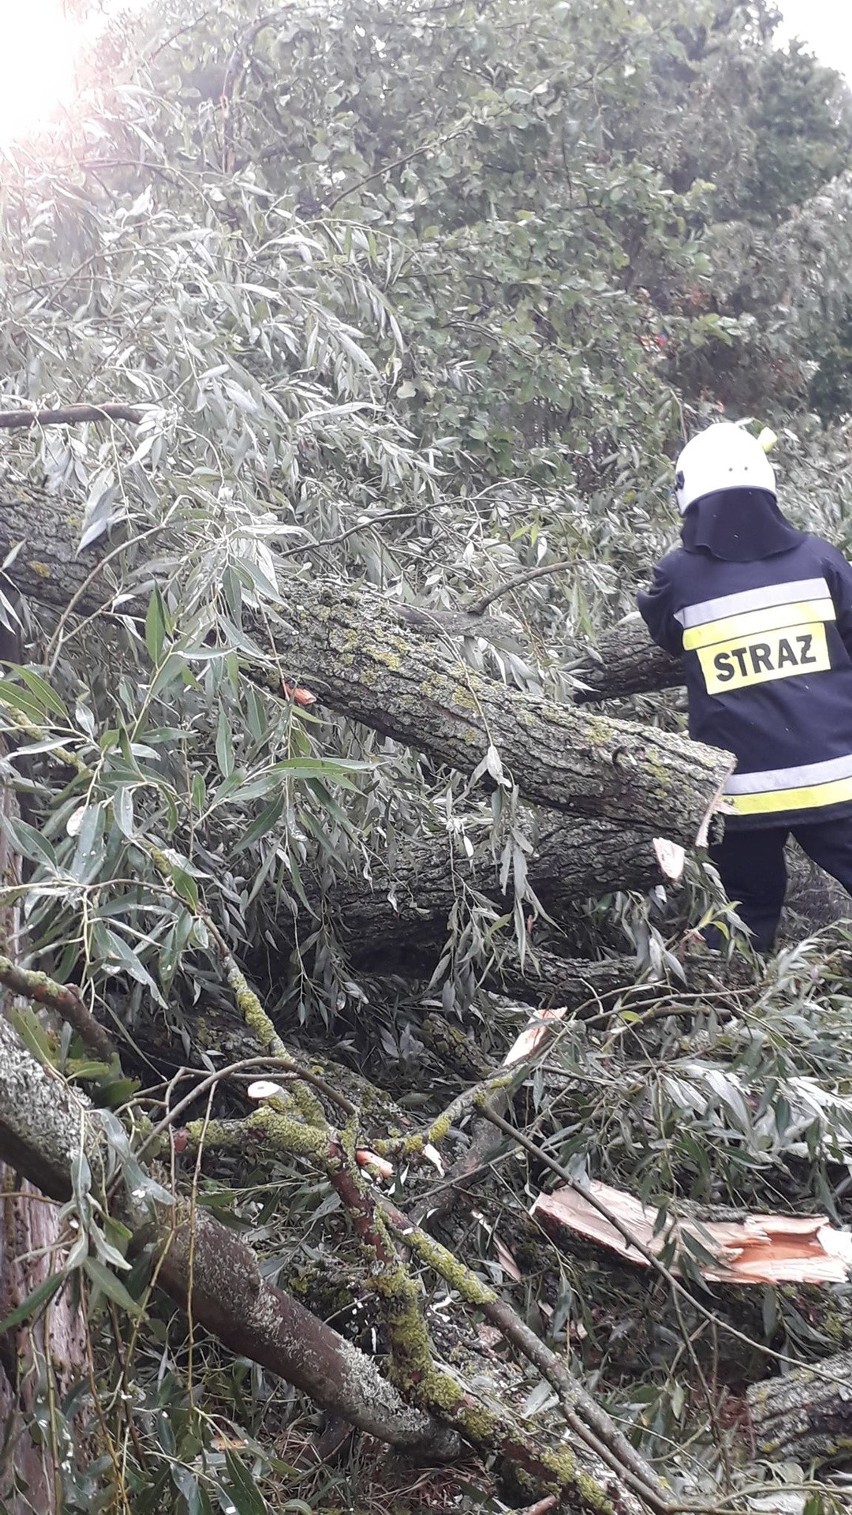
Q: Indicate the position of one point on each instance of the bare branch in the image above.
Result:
(65, 999)
(70, 415)
(517, 582)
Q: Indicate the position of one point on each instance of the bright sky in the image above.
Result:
(825, 25)
(36, 64)
(38, 43)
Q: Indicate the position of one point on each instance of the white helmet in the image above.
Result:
(724, 456)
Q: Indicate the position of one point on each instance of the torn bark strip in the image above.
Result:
(760, 1249)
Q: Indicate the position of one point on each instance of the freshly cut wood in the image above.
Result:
(671, 858)
(535, 1036)
(349, 646)
(759, 1249)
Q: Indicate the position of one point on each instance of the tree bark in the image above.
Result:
(626, 662)
(203, 1265)
(547, 980)
(53, 1347)
(216, 1278)
(804, 1416)
(350, 646)
(404, 906)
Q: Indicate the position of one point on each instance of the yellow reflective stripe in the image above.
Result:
(808, 797)
(737, 664)
(752, 622)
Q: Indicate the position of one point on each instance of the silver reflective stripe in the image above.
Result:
(790, 778)
(752, 599)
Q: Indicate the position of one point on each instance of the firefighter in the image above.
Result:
(762, 616)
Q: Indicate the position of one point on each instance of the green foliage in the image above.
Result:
(418, 297)
(802, 127)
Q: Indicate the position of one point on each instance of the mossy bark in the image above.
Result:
(51, 1350)
(350, 646)
(806, 1416)
(204, 1266)
(211, 1272)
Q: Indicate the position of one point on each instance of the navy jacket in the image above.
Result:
(763, 620)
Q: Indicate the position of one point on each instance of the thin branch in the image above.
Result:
(388, 168)
(365, 525)
(236, 66)
(585, 1418)
(481, 605)
(375, 1221)
(281, 1065)
(69, 415)
(65, 999)
(412, 1144)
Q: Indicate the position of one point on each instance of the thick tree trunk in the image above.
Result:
(405, 905)
(40, 1122)
(625, 662)
(588, 987)
(804, 1417)
(352, 648)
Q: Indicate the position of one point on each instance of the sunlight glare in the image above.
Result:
(36, 65)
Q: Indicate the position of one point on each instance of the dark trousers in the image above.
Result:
(752, 868)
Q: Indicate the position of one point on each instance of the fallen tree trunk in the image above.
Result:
(205, 1266)
(804, 1416)
(588, 987)
(625, 662)
(351, 647)
(405, 904)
